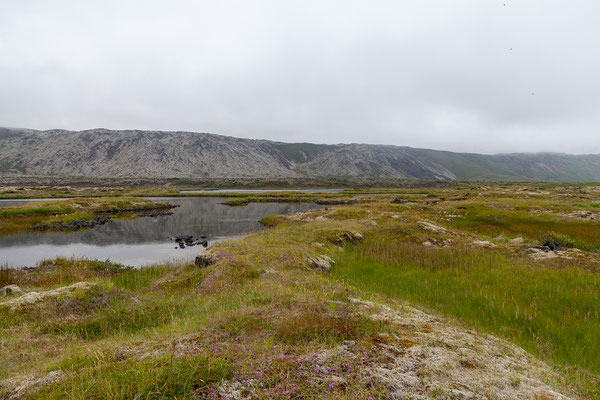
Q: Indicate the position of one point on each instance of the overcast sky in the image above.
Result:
(463, 75)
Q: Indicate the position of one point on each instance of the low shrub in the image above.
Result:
(553, 240)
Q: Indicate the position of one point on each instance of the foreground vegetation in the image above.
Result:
(263, 322)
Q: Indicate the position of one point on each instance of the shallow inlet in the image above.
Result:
(144, 240)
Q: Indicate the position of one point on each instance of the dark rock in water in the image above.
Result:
(154, 214)
(204, 260)
(82, 223)
(188, 241)
(76, 224)
(100, 220)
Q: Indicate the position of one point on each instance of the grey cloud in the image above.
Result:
(462, 75)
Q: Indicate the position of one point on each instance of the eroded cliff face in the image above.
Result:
(157, 154)
(139, 154)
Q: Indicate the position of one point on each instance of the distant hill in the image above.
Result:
(147, 154)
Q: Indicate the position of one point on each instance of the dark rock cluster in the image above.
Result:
(75, 225)
(204, 260)
(189, 241)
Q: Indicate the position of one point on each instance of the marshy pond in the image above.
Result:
(145, 240)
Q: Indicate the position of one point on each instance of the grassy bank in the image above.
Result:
(29, 215)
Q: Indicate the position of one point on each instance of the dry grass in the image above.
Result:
(7, 276)
(315, 322)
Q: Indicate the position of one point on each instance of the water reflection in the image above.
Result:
(144, 240)
(263, 191)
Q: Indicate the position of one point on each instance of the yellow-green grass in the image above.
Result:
(153, 378)
(588, 205)
(35, 210)
(486, 221)
(553, 313)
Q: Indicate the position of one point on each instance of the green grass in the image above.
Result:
(124, 318)
(34, 211)
(553, 239)
(81, 215)
(588, 205)
(135, 279)
(162, 378)
(586, 234)
(552, 312)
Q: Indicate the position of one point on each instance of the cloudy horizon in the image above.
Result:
(465, 76)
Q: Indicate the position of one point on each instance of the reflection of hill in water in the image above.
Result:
(202, 216)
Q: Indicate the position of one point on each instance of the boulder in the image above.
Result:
(483, 243)
(36, 297)
(323, 263)
(11, 290)
(517, 240)
(348, 237)
(428, 226)
(204, 260)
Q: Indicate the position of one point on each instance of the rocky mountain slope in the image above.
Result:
(138, 154)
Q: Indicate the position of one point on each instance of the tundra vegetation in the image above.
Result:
(487, 291)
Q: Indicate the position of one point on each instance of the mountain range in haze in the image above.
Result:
(158, 154)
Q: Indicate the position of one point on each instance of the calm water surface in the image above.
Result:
(263, 191)
(144, 240)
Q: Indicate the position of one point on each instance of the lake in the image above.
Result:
(145, 240)
(251, 191)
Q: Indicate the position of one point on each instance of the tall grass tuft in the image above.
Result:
(152, 378)
(7, 276)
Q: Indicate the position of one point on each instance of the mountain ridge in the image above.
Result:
(180, 154)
